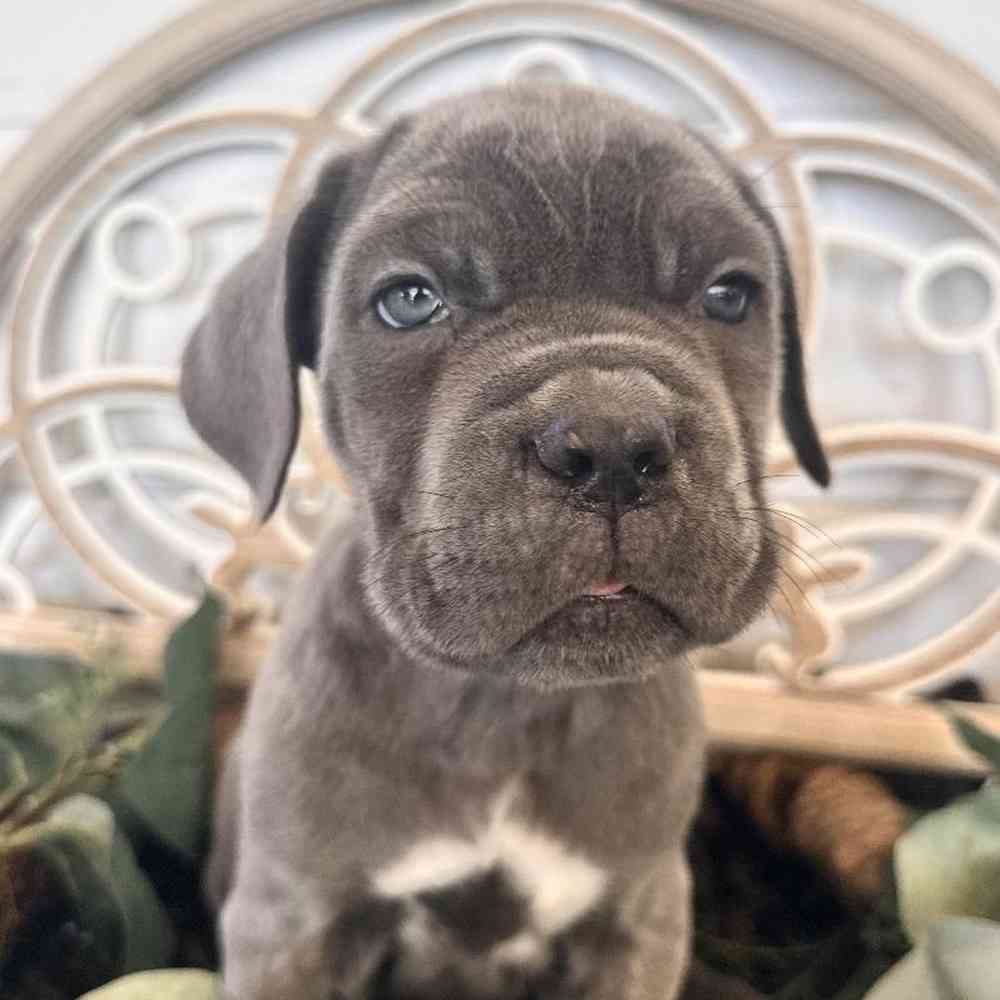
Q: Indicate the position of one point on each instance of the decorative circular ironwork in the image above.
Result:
(102, 483)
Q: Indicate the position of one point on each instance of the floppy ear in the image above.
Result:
(795, 415)
(239, 374)
(794, 399)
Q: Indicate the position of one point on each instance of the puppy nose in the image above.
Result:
(610, 462)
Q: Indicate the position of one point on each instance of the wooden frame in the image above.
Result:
(798, 704)
(875, 732)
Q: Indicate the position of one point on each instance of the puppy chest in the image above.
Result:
(482, 908)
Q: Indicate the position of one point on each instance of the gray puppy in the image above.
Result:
(549, 330)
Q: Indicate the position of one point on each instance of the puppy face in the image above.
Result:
(549, 330)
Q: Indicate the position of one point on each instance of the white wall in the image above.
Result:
(50, 47)
(970, 28)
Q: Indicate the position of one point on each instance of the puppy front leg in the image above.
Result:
(279, 945)
(651, 974)
(641, 952)
(658, 964)
(652, 967)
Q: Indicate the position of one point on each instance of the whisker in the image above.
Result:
(786, 545)
(795, 583)
(435, 493)
(802, 522)
(410, 536)
(760, 479)
(788, 601)
(434, 563)
(533, 494)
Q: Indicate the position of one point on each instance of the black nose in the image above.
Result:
(607, 461)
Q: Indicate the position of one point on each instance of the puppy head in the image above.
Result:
(549, 330)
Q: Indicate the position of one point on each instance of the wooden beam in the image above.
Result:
(136, 642)
(907, 735)
(741, 712)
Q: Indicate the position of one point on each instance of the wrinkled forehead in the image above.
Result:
(505, 195)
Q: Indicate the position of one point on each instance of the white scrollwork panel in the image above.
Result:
(892, 581)
(120, 274)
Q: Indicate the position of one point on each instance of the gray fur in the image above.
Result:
(436, 656)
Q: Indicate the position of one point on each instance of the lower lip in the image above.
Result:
(625, 602)
(609, 591)
(621, 594)
(629, 608)
(630, 599)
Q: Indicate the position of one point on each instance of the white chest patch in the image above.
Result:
(559, 885)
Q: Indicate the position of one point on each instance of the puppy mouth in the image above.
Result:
(612, 592)
(608, 590)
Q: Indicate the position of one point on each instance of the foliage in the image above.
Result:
(104, 784)
(769, 917)
(958, 960)
(948, 872)
(103, 802)
(168, 984)
(948, 863)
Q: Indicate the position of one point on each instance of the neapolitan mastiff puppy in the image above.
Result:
(549, 330)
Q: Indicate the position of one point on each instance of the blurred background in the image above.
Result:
(877, 149)
(50, 47)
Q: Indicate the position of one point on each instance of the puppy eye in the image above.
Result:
(408, 304)
(729, 299)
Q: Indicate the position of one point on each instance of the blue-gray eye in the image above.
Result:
(729, 299)
(410, 304)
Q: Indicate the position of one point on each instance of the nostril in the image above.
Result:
(650, 464)
(579, 464)
(564, 455)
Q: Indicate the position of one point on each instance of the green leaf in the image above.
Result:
(14, 777)
(948, 863)
(44, 717)
(100, 916)
(65, 727)
(977, 739)
(909, 979)
(168, 984)
(958, 961)
(87, 823)
(965, 957)
(167, 783)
